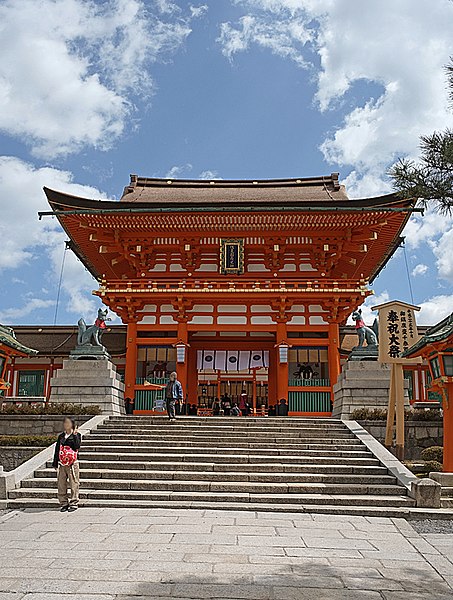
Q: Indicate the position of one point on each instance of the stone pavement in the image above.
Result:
(121, 554)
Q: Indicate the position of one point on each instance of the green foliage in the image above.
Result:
(380, 414)
(432, 177)
(433, 453)
(433, 466)
(50, 409)
(27, 440)
(369, 414)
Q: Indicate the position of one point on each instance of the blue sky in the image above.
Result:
(224, 88)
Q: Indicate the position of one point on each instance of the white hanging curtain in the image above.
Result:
(232, 360)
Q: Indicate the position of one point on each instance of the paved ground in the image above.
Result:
(106, 554)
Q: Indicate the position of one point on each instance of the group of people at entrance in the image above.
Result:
(176, 405)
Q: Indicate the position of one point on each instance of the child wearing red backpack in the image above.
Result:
(65, 460)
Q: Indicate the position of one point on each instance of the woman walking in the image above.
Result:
(66, 461)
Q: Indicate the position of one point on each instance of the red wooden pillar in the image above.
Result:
(182, 369)
(130, 374)
(334, 355)
(447, 406)
(272, 377)
(192, 376)
(282, 368)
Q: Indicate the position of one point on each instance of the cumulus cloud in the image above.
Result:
(71, 68)
(435, 309)
(401, 47)
(14, 314)
(25, 239)
(420, 269)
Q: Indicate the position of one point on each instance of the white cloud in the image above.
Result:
(401, 46)
(420, 269)
(15, 314)
(209, 174)
(178, 171)
(24, 238)
(70, 69)
(435, 309)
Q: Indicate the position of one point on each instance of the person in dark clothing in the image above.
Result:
(272, 412)
(282, 408)
(129, 406)
(66, 462)
(173, 392)
(235, 411)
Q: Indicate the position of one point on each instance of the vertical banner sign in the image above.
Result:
(397, 330)
(232, 257)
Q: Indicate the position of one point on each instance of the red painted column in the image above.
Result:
(130, 374)
(448, 429)
(272, 377)
(334, 355)
(192, 376)
(182, 368)
(282, 368)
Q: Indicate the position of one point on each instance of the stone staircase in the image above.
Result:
(280, 464)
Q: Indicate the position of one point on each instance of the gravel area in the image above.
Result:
(433, 526)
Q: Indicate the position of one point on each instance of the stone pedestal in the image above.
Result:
(362, 384)
(89, 382)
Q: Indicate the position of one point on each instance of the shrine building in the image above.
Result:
(239, 286)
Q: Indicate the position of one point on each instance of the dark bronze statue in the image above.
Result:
(92, 336)
(365, 333)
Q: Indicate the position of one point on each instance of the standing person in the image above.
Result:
(173, 392)
(66, 461)
(282, 408)
(243, 401)
(129, 406)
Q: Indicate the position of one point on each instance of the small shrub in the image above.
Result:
(380, 414)
(433, 453)
(369, 414)
(433, 465)
(49, 409)
(420, 414)
(27, 440)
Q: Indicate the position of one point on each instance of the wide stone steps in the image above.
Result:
(223, 497)
(240, 488)
(310, 464)
(210, 455)
(331, 465)
(225, 476)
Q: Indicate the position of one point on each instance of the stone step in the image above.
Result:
(144, 446)
(202, 429)
(215, 497)
(404, 511)
(260, 477)
(330, 465)
(233, 487)
(93, 444)
(210, 455)
(113, 434)
(132, 439)
(215, 421)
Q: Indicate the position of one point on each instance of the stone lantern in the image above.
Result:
(436, 347)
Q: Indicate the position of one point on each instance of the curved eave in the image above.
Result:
(64, 206)
(61, 202)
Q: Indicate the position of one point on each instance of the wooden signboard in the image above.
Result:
(232, 256)
(397, 332)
